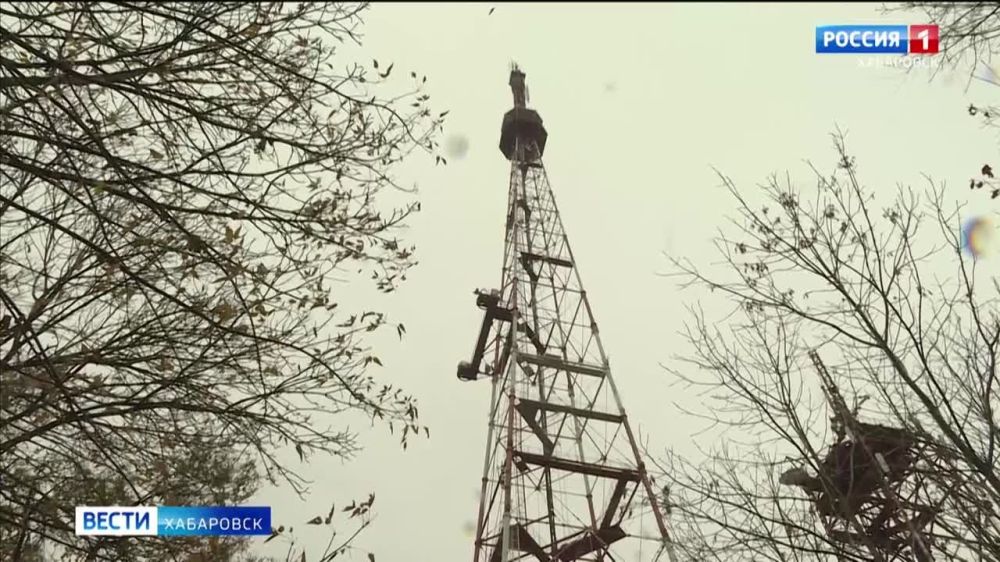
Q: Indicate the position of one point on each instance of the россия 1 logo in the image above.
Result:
(878, 39)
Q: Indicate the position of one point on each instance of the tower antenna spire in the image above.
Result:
(517, 86)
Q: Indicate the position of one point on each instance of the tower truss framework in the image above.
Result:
(563, 477)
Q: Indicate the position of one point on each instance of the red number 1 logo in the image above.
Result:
(923, 39)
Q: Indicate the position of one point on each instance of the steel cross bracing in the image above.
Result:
(563, 477)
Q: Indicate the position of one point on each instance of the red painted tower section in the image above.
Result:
(563, 478)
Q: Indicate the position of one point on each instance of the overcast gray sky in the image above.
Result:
(640, 101)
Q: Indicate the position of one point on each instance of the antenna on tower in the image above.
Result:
(517, 85)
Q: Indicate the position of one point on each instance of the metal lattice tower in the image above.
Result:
(872, 495)
(563, 477)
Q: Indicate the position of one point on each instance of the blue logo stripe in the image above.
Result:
(212, 521)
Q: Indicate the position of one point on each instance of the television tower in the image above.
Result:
(563, 478)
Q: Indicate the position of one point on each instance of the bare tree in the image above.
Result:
(969, 31)
(182, 185)
(969, 38)
(854, 387)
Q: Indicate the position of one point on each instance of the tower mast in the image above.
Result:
(563, 479)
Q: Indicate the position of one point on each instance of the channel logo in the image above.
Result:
(878, 39)
(171, 521)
